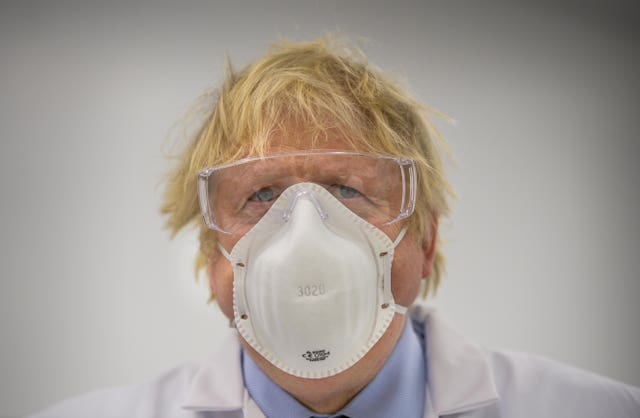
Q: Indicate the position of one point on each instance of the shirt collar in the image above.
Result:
(397, 390)
(458, 372)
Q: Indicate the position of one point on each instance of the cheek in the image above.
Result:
(221, 283)
(406, 272)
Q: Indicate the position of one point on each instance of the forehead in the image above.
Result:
(290, 167)
(299, 140)
(309, 164)
(290, 138)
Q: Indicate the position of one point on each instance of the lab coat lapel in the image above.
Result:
(218, 385)
(459, 376)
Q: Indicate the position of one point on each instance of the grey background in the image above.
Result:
(543, 244)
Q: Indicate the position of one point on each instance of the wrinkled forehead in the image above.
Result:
(289, 138)
(309, 165)
(299, 139)
(297, 136)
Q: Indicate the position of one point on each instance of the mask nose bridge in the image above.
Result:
(308, 195)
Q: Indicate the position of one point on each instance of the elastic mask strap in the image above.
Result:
(401, 309)
(225, 253)
(400, 236)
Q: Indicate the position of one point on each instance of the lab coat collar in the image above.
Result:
(459, 377)
(218, 385)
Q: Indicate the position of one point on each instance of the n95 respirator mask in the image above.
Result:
(312, 284)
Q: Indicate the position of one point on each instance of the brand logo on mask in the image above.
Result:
(316, 355)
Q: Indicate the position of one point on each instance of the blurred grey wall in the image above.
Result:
(543, 245)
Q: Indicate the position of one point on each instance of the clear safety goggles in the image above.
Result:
(381, 189)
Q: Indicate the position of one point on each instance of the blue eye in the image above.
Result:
(346, 192)
(263, 195)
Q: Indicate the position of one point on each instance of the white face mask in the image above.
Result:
(312, 284)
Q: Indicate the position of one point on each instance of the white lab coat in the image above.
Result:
(464, 380)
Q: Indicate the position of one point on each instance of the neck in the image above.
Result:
(329, 395)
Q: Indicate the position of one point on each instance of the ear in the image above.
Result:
(429, 247)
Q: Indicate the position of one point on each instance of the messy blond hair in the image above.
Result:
(309, 91)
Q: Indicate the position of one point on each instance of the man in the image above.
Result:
(318, 184)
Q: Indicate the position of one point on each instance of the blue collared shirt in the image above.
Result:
(398, 390)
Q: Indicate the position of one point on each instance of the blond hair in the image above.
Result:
(309, 91)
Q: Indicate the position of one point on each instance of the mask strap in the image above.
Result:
(401, 309)
(225, 253)
(400, 236)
